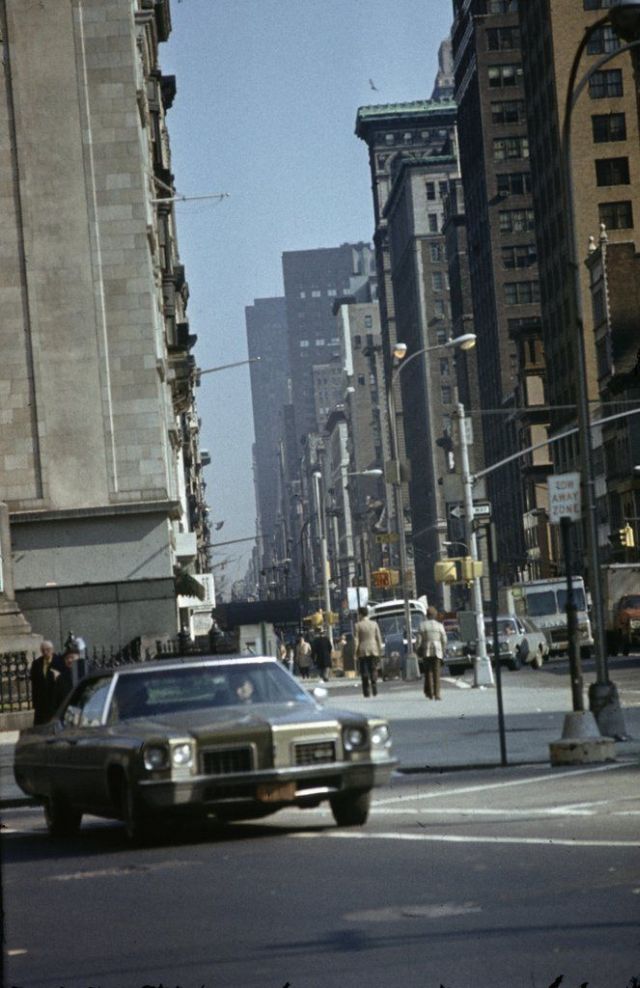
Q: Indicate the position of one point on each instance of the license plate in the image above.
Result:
(276, 792)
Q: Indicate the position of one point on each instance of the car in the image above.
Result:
(519, 642)
(234, 737)
(458, 655)
(627, 623)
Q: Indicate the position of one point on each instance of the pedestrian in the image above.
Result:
(368, 649)
(303, 656)
(432, 641)
(321, 652)
(44, 675)
(66, 680)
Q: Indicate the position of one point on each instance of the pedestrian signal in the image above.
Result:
(381, 578)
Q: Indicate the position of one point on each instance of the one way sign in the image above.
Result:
(481, 509)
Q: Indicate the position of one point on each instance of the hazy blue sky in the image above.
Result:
(265, 109)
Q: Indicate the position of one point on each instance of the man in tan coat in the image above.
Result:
(431, 645)
(368, 649)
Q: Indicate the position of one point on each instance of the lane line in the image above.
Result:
(503, 785)
(456, 839)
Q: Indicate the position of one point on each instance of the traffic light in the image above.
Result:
(627, 537)
(457, 569)
(445, 571)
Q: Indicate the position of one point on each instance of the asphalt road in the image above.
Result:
(504, 878)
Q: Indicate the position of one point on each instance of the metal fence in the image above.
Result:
(15, 681)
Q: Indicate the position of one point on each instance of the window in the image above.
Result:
(612, 171)
(436, 281)
(599, 311)
(441, 336)
(605, 83)
(368, 322)
(603, 40)
(303, 343)
(407, 137)
(444, 367)
(516, 220)
(316, 293)
(616, 215)
(303, 294)
(519, 256)
(436, 252)
(431, 191)
(320, 342)
(508, 148)
(433, 222)
(443, 189)
(438, 309)
(361, 379)
(502, 38)
(513, 184)
(331, 292)
(357, 341)
(502, 76)
(521, 292)
(445, 394)
(508, 111)
(389, 138)
(609, 127)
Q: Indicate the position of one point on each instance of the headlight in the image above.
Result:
(381, 737)
(156, 756)
(354, 738)
(505, 646)
(182, 754)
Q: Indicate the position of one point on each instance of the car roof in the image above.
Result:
(189, 662)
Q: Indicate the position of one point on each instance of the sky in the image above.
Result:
(267, 95)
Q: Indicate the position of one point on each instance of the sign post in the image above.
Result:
(565, 508)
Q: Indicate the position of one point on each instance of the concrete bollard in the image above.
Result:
(581, 742)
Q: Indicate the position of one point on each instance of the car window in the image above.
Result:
(86, 707)
(164, 691)
(630, 602)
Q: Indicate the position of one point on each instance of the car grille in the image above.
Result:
(227, 761)
(315, 752)
(559, 635)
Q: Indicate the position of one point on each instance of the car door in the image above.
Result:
(79, 745)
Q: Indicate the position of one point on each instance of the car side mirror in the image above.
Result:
(319, 693)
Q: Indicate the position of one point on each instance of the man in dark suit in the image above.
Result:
(44, 691)
(321, 654)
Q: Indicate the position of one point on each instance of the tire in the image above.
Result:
(626, 647)
(351, 809)
(62, 819)
(537, 660)
(137, 824)
(455, 670)
(516, 662)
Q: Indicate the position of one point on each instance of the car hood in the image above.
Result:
(204, 723)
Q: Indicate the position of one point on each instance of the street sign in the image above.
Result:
(564, 497)
(481, 509)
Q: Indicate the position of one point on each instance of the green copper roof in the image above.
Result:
(416, 108)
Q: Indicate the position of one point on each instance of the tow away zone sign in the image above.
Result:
(564, 497)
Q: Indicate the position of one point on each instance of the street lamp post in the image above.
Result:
(324, 555)
(624, 16)
(482, 673)
(465, 341)
(199, 371)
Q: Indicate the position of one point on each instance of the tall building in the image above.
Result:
(411, 157)
(605, 176)
(313, 279)
(267, 343)
(98, 464)
(503, 261)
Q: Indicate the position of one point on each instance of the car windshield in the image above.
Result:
(632, 602)
(393, 624)
(505, 626)
(163, 691)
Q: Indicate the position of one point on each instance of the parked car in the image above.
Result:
(627, 623)
(519, 641)
(236, 737)
(458, 655)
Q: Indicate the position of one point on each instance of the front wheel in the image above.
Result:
(136, 822)
(351, 809)
(537, 660)
(62, 819)
(515, 662)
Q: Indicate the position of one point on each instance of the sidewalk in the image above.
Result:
(460, 732)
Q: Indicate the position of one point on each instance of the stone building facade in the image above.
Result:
(98, 463)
